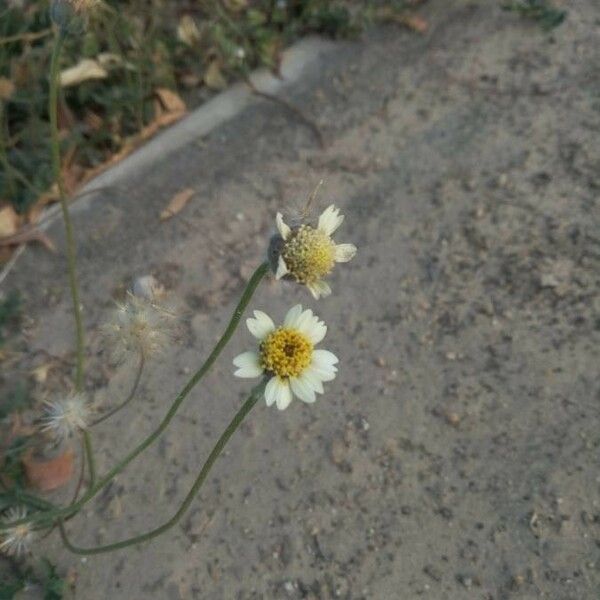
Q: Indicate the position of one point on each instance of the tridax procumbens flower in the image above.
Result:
(306, 254)
(15, 541)
(139, 326)
(288, 356)
(65, 416)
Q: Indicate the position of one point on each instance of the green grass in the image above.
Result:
(143, 51)
(541, 11)
(44, 578)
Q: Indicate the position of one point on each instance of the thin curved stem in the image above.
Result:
(81, 474)
(89, 453)
(51, 515)
(70, 241)
(129, 398)
(210, 461)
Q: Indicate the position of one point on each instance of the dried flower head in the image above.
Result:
(15, 541)
(306, 254)
(66, 416)
(70, 15)
(138, 326)
(288, 356)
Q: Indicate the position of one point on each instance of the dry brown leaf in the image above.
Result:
(35, 212)
(50, 474)
(9, 221)
(28, 234)
(177, 203)
(40, 374)
(7, 88)
(170, 101)
(413, 22)
(84, 70)
(163, 120)
(187, 31)
(213, 78)
(235, 5)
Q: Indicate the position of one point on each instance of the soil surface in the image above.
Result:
(457, 454)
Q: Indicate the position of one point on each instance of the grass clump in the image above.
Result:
(541, 11)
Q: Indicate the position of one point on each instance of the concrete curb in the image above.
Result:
(207, 117)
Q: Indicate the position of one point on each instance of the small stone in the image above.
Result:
(452, 419)
(147, 287)
(338, 451)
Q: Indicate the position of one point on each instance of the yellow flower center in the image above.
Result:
(309, 254)
(286, 352)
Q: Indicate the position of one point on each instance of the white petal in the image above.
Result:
(323, 373)
(312, 376)
(324, 360)
(303, 389)
(278, 392)
(261, 326)
(284, 230)
(344, 252)
(248, 364)
(311, 327)
(291, 319)
(281, 268)
(330, 220)
(318, 289)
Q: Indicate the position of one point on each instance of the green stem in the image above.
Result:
(89, 453)
(129, 398)
(256, 278)
(210, 461)
(70, 242)
(32, 501)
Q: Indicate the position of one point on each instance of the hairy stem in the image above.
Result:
(70, 242)
(210, 461)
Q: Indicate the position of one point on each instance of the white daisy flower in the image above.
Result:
(306, 255)
(139, 325)
(65, 416)
(15, 541)
(288, 356)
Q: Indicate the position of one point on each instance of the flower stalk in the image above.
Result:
(70, 240)
(51, 516)
(248, 405)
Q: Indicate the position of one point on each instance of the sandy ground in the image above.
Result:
(456, 456)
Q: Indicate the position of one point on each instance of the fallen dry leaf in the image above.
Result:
(213, 78)
(187, 31)
(40, 374)
(84, 70)
(7, 88)
(177, 203)
(235, 5)
(9, 221)
(413, 22)
(50, 474)
(28, 234)
(170, 101)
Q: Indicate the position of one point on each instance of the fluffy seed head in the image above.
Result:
(66, 416)
(15, 541)
(138, 326)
